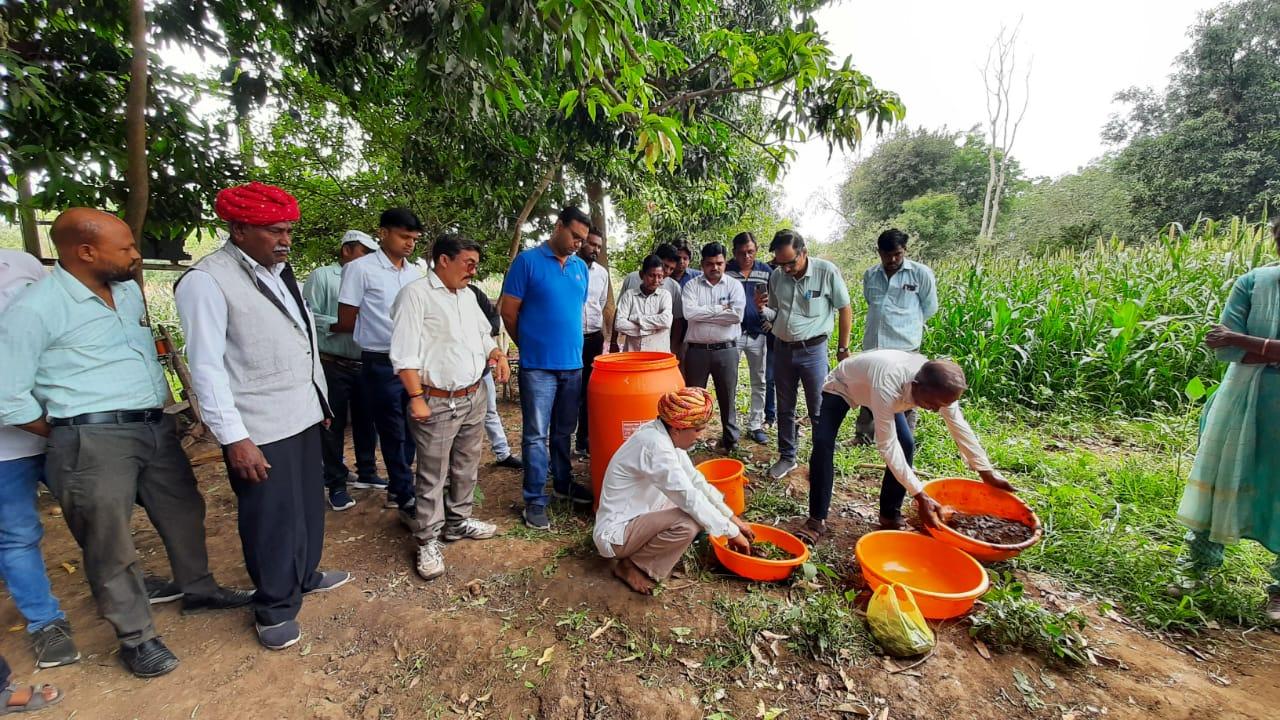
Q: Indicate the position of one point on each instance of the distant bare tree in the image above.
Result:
(1002, 126)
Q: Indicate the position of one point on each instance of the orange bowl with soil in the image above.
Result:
(763, 569)
(977, 529)
(944, 580)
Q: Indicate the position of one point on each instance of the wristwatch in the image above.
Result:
(843, 349)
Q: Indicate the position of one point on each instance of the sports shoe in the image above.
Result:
(576, 492)
(470, 529)
(781, 468)
(53, 646)
(430, 563)
(330, 580)
(340, 500)
(223, 598)
(1272, 608)
(511, 461)
(759, 436)
(280, 635)
(371, 482)
(160, 590)
(535, 516)
(149, 659)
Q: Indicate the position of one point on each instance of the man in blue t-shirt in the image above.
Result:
(541, 305)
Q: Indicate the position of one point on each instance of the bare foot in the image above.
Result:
(634, 577)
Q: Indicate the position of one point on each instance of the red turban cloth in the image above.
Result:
(256, 204)
(690, 408)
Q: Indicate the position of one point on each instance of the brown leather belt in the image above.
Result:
(437, 392)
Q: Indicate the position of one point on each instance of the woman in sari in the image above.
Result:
(1234, 489)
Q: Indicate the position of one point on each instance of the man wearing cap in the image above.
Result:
(340, 359)
(80, 369)
(369, 287)
(441, 348)
(653, 501)
(251, 344)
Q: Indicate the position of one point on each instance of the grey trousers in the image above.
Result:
(493, 422)
(655, 541)
(866, 424)
(449, 446)
(722, 367)
(757, 351)
(97, 472)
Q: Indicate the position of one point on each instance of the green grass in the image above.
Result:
(820, 625)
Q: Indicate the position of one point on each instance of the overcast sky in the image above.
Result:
(931, 53)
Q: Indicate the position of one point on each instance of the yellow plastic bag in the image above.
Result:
(896, 622)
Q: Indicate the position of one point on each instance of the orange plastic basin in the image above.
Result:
(978, 498)
(726, 475)
(944, 580)
(754, 568)
(623, 395)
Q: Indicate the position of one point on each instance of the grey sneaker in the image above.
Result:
(53, 646)
(781, 468)
(470, 529)
(279, 636)
(430, 563)
(535, 516)
(330, 580)
(1272, 608)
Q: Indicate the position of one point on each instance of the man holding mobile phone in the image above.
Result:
(754, 340)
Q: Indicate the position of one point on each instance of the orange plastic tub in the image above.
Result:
(978, 498)
(726, 475)
(944, 580)
(754, 568)
(622, 396)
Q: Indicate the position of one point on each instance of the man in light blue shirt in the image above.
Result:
(80, 368)
(901, 296)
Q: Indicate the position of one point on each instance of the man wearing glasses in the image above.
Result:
(804, 296)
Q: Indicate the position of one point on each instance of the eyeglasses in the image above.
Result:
(788, 264)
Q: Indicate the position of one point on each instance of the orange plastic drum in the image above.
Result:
(623, 395)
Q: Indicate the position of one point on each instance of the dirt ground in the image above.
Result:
(527, 626)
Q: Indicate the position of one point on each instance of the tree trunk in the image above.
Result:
(27, 216)
(529, 204)
(135, 207)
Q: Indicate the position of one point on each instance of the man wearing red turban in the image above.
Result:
(257, 375)
(653, 501)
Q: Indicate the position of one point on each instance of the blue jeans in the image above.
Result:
(21, 564)
(794, 368)
(387, 400)
(822, 460)
(549, 406)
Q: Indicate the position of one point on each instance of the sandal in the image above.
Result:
(812, 531)
(37, 698)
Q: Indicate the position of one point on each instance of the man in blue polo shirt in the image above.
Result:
(541, 305)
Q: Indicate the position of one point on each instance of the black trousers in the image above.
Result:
(5, 673)
(346, 400)
(592, 348)
(282, 526)
(387, 401)
(97, 472)
(722, 367)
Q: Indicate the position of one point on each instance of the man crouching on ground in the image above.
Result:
(653, 501)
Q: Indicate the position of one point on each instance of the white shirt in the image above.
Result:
(18, 269)
(203, 309)
(597, 298)
(671, 285)
(714, 312)
(644, 321)
(647, 474)
(880, 380)
(371, 284)
(441, 333)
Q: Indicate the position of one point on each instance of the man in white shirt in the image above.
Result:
(440, 347)
(255, 364)
(369, 287)
(644, 313)
(653, 501)
(21, 472)
(667, 254)
(594, 322)
(713, 306)
(890, 382)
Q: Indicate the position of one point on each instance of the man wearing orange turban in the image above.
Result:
(653, 501)
(256, 369)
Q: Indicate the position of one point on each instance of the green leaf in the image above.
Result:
(1195, 389)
